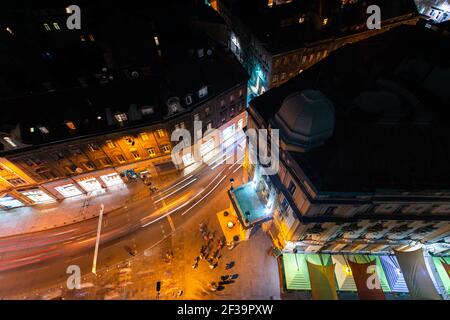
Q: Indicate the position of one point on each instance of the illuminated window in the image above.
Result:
(130, 141)
(105, 162)
(151, 152)
(37, 196)
(136, 155)
(112, 179)
(82, 38)
(325, 21)
(301, 19)
(32, 130)
(47, 27)
(88, 165)
(44, 130)
(121, 158)
(9, 31)
(161, 133)
(203, 92)
(16, 182)
(69, 169)
(56, 25)
(144, 136)
(93, 147)
(91, 37)
(156, 40)
(69, 190)
(166, 148)
(10, 142)
(10, 202)
(121, 117)
(110, 144)
(71, 125)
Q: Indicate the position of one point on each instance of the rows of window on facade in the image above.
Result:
(268, 70)
(305, 221)
(85, 165)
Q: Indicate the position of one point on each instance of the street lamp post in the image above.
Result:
(232, 181)
(295, 255)
(97, 242)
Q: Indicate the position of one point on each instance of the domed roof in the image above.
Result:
(305, 118)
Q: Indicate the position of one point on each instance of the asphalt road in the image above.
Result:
(34, 261)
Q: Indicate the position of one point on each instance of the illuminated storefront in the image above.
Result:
(188, 159)
(90, 184)
(37, 196)
(228, 135)
(8, 202)
(206, 150)
(112, 179)
(69, 190)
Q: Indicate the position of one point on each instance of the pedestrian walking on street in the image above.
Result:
(213, 286)
(196, 261)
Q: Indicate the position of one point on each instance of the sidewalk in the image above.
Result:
(76, 209)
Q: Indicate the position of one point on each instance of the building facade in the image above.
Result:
(70, 168)
(351, 180)
(276, 40)
(112, 115)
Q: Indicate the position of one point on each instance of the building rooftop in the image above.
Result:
(293, 24)
(392, 110)
(124, 61)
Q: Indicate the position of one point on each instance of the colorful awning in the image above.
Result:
(417, 278)
(446, 267)
(323, 282)
(367, 280)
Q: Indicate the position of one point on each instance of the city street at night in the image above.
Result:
(224, 158)
(165, 225)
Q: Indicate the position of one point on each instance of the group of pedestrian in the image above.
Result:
(168, 256)
(207, 251)
(224, 280)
